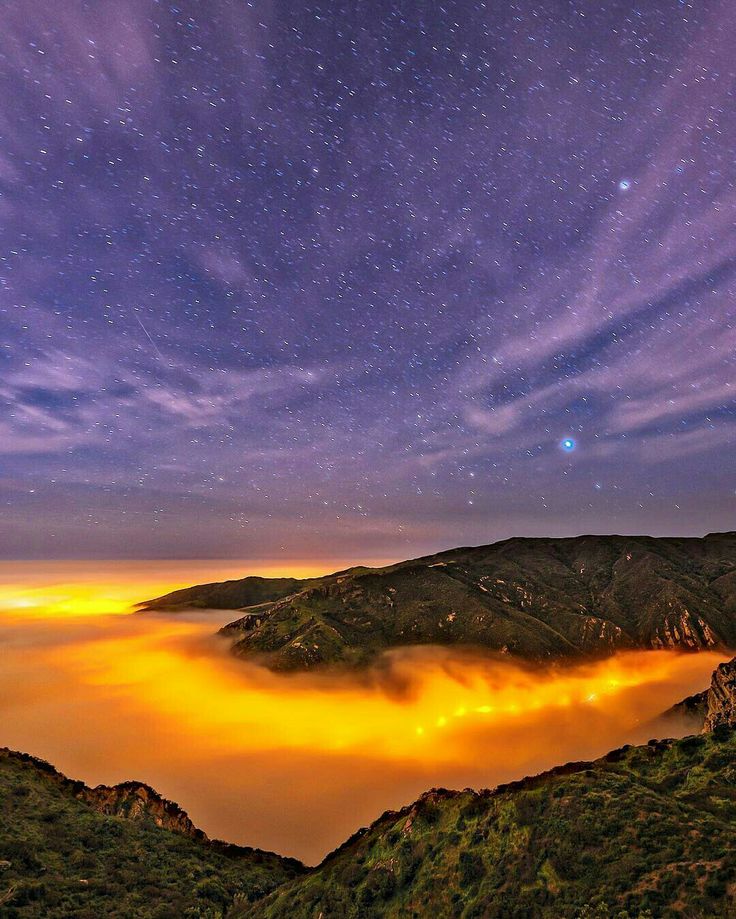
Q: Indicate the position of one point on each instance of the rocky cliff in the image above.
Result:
(687, 716)
(138, 801)
(721, 697)
(709, 709)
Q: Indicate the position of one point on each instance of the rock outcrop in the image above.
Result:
(129, 800)
(686, 716)
(138, 801)
(707, 710)
(721, 697)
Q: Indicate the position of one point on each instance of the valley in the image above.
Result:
(144, 709)
(642, 831)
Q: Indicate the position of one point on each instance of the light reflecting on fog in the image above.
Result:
(292, 763)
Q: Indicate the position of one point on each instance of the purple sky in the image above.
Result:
(291, 280)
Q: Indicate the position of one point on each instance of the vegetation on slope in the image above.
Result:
(243, 592)
(645, 830)
(61, 857)
(642, 832)
(535, 598)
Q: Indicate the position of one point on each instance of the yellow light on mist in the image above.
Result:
(45, 590)
(158, 697)
(173, 670)
(66, 600)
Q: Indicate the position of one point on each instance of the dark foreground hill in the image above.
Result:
(122, 851)
(535, 598)
(645, 831)
(642, 829)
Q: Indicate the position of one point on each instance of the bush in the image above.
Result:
(471, 867)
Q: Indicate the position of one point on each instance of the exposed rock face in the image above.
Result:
(713, 707)
(689, 714)
(721, 697)
(138, 801)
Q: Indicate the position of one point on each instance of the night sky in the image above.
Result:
(364, 279)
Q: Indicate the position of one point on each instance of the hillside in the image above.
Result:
(120, 851)
(535, 598)
(643, 828)
(642, 831)
(244, 592)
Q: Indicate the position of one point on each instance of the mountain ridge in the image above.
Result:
(139, 802)
(535, 598)
(509, 851)
(641, 832)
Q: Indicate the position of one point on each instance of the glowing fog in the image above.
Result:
(292, 763)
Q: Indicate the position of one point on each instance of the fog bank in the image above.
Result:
(296, 763)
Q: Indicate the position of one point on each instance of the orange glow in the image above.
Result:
(296, 762)
(234, 705)
(64, 589)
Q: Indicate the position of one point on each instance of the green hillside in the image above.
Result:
(61, 856)
(646, 831)
(643, 829)
(534, 598)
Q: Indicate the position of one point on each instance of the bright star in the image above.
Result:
(568, 444)
(624, 185)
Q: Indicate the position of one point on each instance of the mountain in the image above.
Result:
(538, 599)
(121, 851)
(244, 592)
